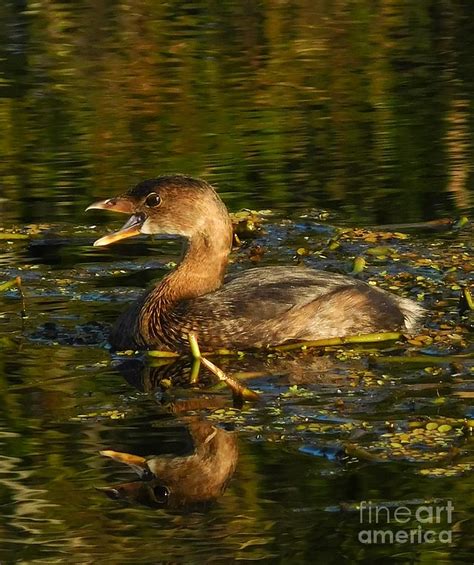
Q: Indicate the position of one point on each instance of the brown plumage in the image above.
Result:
(167, 480)
(261, 307)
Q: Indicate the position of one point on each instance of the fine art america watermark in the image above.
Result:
(388, 524)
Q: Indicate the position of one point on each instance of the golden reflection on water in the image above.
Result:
(354, 104)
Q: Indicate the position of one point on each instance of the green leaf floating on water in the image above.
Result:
(380, 251)
(158, 353)
(461, 223)
(16, 282)
(466, 301)
(8, 285)
(12, 236)
(358, 265)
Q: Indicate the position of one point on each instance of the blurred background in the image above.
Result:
(364, 106)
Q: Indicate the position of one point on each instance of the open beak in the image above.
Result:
(131, 228)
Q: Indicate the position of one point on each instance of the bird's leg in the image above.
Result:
(236, 387)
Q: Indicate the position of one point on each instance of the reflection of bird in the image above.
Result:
(263, 306)
(201, 476)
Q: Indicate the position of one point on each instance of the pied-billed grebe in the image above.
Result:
(261, 307)
(196, 477)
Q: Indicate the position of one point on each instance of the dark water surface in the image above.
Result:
(363, 109)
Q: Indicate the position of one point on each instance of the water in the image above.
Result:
(278, 103)
(330, 114)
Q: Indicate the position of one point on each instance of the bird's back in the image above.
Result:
(271, 305)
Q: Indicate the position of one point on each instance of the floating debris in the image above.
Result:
(15, 283)
(448, 471)
(420, 441)
(247, 223)
(358, 266)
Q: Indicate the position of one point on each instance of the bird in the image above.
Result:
(199, 476)
(261, 307)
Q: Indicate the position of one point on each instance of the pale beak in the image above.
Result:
(119, 204)
(123, 205)
(137, 463)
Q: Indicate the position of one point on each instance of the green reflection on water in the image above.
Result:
(358, 105)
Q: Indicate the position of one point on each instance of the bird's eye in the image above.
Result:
(153, 200)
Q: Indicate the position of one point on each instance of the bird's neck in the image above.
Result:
(203, 265)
